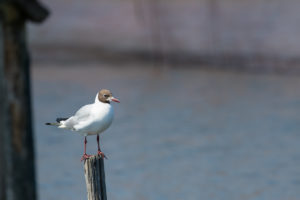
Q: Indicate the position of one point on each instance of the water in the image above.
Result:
(178, 133)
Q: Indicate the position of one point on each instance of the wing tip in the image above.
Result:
(59, 119)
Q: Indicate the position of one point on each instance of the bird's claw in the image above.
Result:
(84, 157)
(100, 153)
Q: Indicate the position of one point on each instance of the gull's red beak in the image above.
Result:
(115, 99)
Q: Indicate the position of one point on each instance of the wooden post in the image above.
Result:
(95, 178)
(17, 173)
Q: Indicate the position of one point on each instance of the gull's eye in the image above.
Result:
(106, 95)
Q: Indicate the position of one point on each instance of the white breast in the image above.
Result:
(99, 119)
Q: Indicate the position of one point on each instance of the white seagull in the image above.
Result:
(91, 119)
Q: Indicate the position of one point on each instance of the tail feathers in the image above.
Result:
(61, 119)
(52, 124)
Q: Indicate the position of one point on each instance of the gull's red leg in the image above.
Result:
(99, 150)
(85, 156)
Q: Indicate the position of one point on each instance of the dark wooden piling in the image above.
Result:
(17, 173)
(95, 178)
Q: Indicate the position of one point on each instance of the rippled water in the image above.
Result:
(178, 133)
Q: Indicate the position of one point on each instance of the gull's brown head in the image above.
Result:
(105, 96)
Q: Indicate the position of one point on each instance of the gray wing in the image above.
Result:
(80, 116)
(84, 112)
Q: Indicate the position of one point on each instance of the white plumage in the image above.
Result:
(90, 119)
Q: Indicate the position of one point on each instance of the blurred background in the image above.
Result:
(209, 93)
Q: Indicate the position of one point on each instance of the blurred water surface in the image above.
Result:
(178, 133)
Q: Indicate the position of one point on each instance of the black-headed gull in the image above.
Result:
(91, 119)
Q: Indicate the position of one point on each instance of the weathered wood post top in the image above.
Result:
(95, 178)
